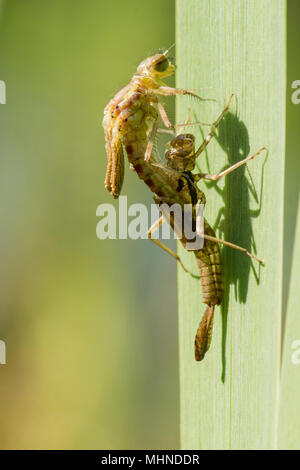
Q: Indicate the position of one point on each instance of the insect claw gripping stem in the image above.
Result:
(129, 119)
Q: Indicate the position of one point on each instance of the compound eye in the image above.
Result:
(176, 143)
(162, 65)
(189, 137)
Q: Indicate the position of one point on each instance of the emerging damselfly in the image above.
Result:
(132, 115)
(130, 120)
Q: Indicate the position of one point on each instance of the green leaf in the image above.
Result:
(231, 399)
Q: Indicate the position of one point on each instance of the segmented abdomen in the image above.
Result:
(210, 269)
(156, 178)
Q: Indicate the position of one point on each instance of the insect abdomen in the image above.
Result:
(210, 269)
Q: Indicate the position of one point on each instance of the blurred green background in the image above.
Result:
(90, 326)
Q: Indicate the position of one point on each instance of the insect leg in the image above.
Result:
(165, 131)
(187, 121)
(214, 128)
(181, 127)
(164, 116)
(233, 167)
(151, 141)
(232, 245)
(151, 230)
(169, 91)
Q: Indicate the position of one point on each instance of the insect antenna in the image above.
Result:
(168, 50)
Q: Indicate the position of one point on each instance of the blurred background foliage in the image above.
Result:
(90, 326)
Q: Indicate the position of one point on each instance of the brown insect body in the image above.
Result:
(132, 110)
(176, 184)
(181, 157)
(130, 120)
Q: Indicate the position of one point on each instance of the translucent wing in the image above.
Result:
(117, 169)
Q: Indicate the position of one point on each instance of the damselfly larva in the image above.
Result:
(175, 183)
(133, 113)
